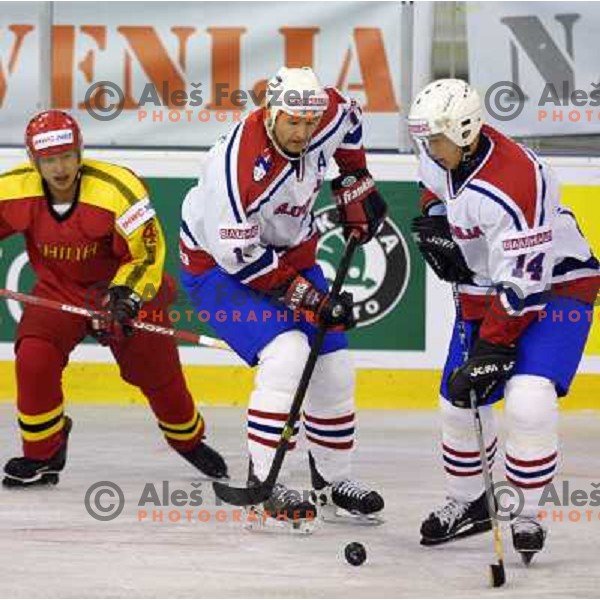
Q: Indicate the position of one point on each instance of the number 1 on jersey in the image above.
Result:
(239, 255)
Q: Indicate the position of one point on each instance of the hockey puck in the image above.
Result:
(355, 554)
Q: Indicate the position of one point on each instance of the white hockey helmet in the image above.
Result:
(295, 91)
(448, 106)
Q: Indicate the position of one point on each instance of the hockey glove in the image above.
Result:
(488, 367)
(360, 206)
(301, 295)
(122, 305)
(440, 251)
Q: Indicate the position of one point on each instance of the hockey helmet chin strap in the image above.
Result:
(469, 154)
(466, 156)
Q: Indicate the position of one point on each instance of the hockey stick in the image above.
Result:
(497, 573)
(259, 493)
(188, 336)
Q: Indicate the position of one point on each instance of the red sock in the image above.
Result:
(180, 422)
(39, 368)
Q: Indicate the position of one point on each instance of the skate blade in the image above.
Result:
(474, 529)
(335, 514)
(256, 520)
(44, 479)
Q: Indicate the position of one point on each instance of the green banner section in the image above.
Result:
(387, 277)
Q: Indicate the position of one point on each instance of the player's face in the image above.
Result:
(293, 132)
(444, 151)
(60, 171)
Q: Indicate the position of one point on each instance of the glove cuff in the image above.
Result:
(342, 181)
(301, 293)
(123, 293)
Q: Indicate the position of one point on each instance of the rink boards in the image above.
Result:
(398, 352)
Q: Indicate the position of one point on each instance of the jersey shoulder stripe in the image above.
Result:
(496, 197)
(231, 173)
(185, 230)
(330, 129)
(260, 166)
(542, 185)
(511, 171)
(270, 192)
(109, 186)
(353, 139)
(23, 181)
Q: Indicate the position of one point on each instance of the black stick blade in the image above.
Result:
(497, 575)
(242, 496)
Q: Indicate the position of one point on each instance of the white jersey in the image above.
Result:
(252, 206)
(507, 219)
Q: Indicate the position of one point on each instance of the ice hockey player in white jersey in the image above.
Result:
(493, 225)
(248, 252)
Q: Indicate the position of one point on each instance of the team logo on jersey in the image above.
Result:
(538, 239)
(380, 270)
(262, 166)
(236, 234)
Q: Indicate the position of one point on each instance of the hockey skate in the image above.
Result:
(285, 510)
(345, 500)
(456, 519)
(528, 537)
(26, 472)
(207, 460)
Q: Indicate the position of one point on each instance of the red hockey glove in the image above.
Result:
(301, 295)
(360, 206)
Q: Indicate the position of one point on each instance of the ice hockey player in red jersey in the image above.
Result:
(493, 225)
(93, 239)
(248, 244)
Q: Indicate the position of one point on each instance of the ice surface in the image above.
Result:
(50, 546)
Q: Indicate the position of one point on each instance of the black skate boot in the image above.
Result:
(528, 537)
(285, 509)
(26, 472)
(456, 519)
(345, 500)
(207, 460)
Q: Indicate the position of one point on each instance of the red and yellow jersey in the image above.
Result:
(109, 236)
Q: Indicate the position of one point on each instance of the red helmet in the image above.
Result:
(52, 132)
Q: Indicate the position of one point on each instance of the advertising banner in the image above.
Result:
(536, 64)
(178, 74)
(387, 277)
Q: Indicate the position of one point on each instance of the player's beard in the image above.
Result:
(289, 153)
